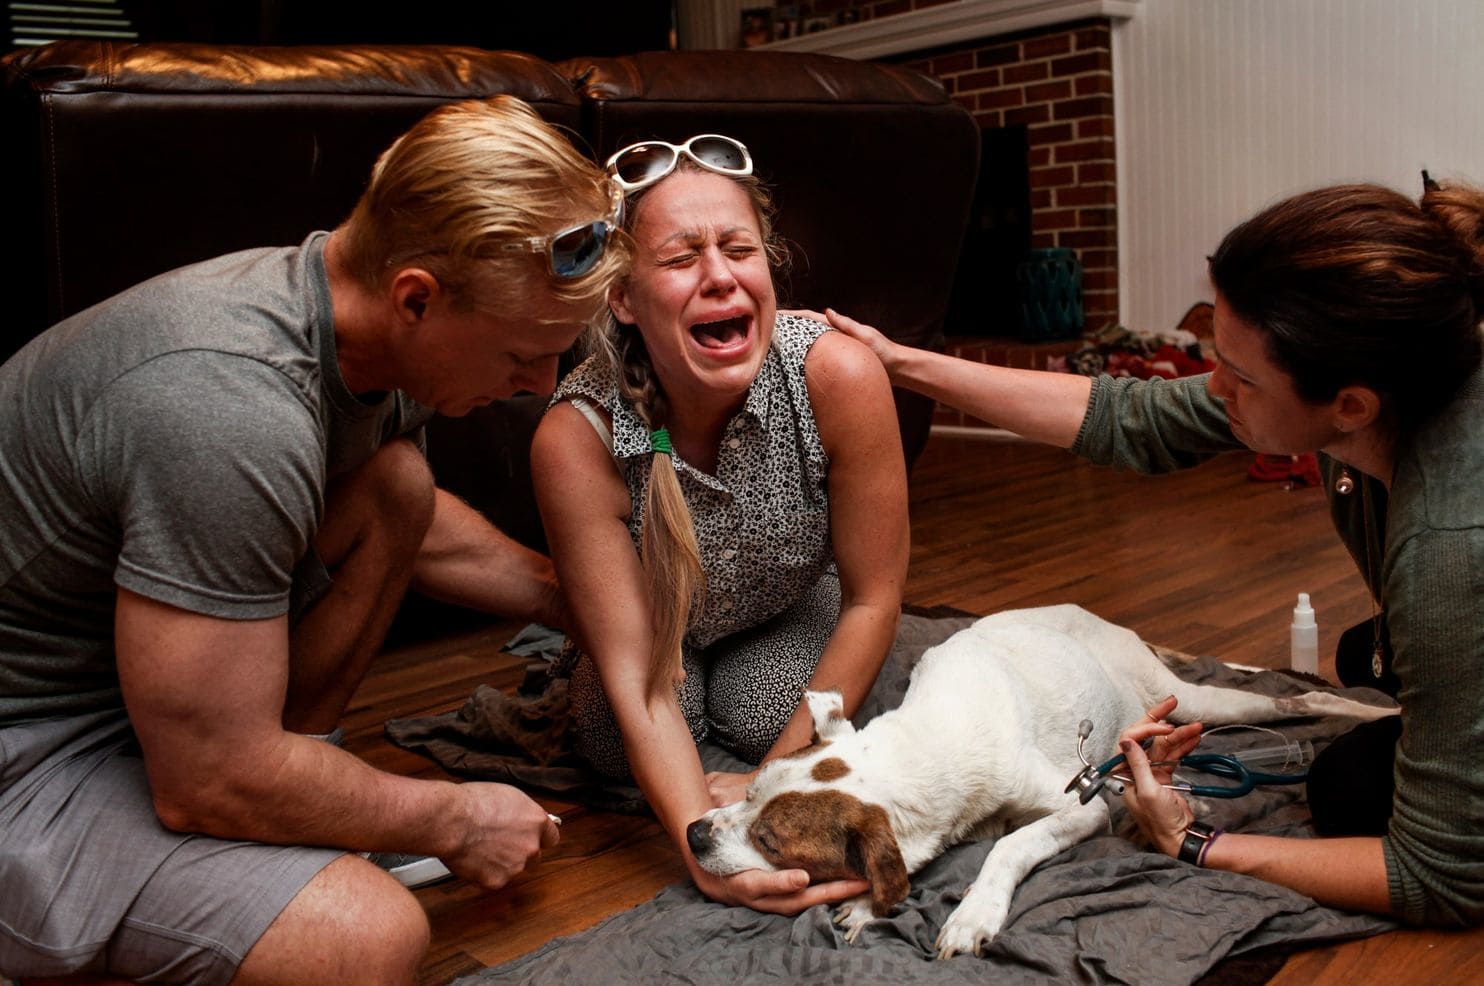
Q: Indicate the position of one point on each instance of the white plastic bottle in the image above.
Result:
(1304, 637)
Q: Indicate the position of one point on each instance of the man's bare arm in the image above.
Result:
(467, 560)
(205, 697)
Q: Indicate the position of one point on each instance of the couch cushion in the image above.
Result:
(147, 157)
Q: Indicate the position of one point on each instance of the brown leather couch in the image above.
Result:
(127, 160)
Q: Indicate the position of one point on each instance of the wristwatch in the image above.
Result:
(1198, 838)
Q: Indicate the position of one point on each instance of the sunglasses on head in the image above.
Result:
(641, 165)
(574, 251)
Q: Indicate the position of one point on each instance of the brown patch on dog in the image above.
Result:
(832, 836)
(829, 769)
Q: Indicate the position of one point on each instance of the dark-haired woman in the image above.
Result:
(1347, 323)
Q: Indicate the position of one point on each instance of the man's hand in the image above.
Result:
(504, 830)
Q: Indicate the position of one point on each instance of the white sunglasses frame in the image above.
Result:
(677, 150)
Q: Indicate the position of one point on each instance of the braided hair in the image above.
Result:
(667, 544)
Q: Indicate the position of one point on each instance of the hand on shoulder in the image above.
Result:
(882, 347)
(838, 362)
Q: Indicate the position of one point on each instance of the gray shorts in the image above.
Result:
(93, 883)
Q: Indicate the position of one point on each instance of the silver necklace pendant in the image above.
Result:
(1378, 667)
(1345, 484)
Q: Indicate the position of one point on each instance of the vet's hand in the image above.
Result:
(781, 892)
(1161, 814)
(884, 349)
(808, 313)
(503, 832)
(725, 788)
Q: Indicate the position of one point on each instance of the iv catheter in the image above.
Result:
(1091, 779)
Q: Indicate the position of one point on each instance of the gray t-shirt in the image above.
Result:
(174, 440)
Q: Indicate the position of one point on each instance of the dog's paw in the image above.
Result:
(972, 925)
(853, 915)
(1324, 704)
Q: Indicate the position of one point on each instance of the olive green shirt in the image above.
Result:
(1427, 570)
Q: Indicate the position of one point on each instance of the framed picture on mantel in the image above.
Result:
(757, 26)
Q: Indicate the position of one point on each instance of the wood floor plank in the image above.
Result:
(1205, 562)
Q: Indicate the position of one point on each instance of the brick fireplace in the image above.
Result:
(1042, 64)
(1058, 83)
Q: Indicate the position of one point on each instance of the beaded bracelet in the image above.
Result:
(1201, 859)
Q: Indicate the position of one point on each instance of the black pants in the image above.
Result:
(1350, 783)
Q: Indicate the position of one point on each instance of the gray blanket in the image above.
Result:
(1107, 910)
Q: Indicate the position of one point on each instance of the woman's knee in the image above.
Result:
(597, 738)
(751, 701)
(758, 676)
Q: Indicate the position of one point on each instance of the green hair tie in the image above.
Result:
(659, 441)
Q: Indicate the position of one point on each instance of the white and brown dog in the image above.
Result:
(983, 744)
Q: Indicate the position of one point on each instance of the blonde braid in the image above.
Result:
(667, 541)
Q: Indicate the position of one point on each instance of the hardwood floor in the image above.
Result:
(1205, 562)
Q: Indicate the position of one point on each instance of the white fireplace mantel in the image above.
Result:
(949, 23)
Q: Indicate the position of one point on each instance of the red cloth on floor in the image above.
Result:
(1300, 470)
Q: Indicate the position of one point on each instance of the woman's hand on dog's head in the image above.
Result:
(778, 892)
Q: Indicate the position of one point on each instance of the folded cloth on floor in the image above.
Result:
(519, 739)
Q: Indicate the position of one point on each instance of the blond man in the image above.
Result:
(212, 497)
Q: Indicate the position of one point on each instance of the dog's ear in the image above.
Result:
(828, 712)
(872, 851)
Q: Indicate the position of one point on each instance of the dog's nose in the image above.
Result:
(698, 834)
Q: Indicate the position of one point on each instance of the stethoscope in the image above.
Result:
(1091, 779)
